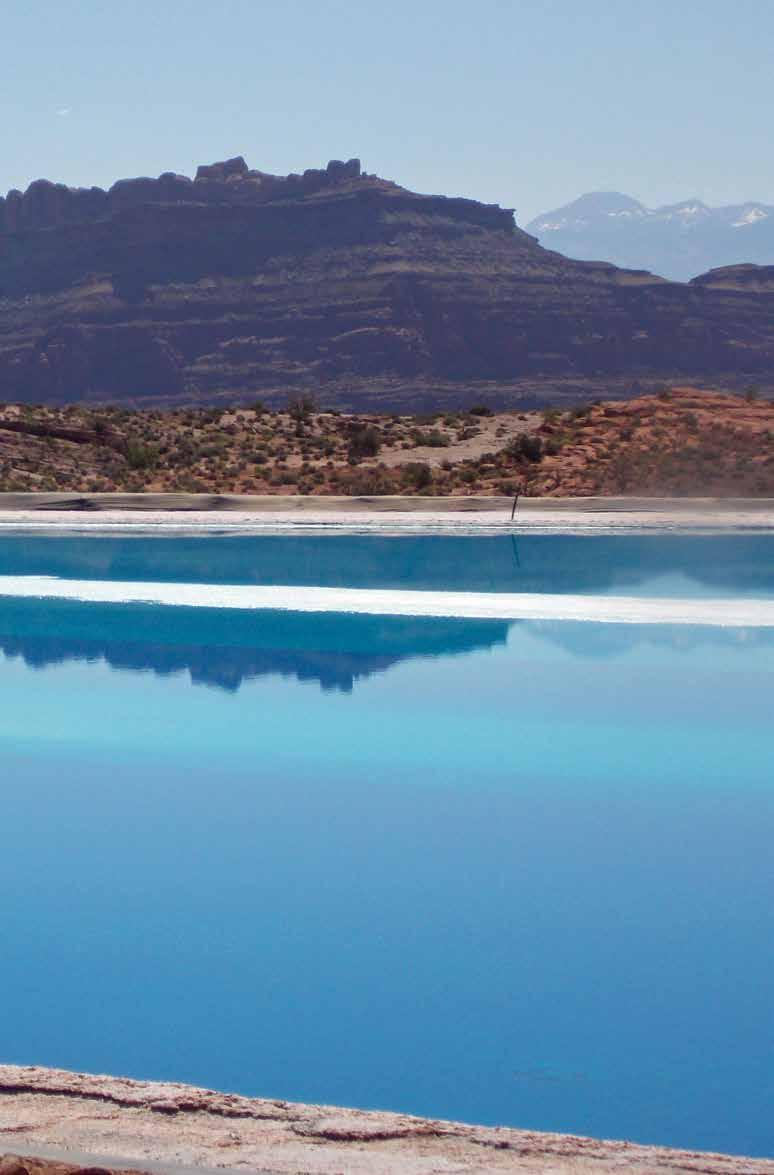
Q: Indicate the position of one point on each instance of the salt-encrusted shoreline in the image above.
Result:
(203, 513)
(724, 613)
(161, 1127)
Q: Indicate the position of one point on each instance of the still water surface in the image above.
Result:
(504, 872)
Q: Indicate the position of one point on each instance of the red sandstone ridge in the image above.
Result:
(239, 282)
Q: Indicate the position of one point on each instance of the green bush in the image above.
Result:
(139, 456)
(416, 474)
(531, 446)
(301, 408)
(364, 441)
(431, 438)
(526, 447)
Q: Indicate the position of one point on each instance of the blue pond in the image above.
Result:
(509, 873)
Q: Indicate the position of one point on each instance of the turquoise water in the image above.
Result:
(504, 872)
(733, 564)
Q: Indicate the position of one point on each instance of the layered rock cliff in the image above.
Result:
(238, 283)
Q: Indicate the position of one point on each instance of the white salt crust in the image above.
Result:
(726, 613)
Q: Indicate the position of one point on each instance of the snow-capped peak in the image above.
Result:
(750, 216)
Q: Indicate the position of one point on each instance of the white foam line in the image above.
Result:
(376, 602)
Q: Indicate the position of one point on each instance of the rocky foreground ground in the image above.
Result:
(57, 1123)
(678, 442)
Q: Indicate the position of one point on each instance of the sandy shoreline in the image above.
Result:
(165, 1127)
(202, 513)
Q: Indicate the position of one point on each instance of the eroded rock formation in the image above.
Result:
(239, 283)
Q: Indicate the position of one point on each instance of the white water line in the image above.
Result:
(729, 613)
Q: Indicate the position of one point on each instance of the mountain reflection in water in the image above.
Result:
(226, 650)
(336, 650)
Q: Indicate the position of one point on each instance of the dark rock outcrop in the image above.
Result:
(239, 283)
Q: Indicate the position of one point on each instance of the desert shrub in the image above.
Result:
(416, 474)
(433, 438)
(531, 446)
(368, 481)
(300, 408)
(364, 441)
(140, 456)
(480, 410)
(580, 411)
(526, 447)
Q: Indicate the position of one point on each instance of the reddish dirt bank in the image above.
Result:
(25, 1165)
(681, 442)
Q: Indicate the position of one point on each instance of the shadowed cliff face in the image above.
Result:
(239, 283)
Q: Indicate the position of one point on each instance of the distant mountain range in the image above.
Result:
(677, 241)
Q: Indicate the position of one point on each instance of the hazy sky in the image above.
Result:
(527, 103)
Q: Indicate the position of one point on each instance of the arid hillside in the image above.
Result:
(683, 441)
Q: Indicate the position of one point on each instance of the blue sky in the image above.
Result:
(527, 103)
